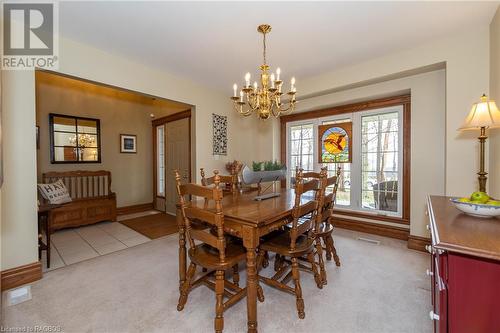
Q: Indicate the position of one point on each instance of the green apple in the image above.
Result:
(464, 200)
(493, 202)
(479, 197)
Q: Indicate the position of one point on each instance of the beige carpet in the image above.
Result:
(379, 288)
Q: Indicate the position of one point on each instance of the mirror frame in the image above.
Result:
(76, 118)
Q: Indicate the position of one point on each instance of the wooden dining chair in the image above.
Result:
(321, 177)
(319, 196)
(325, 229)
(229, 180)
(294, 243)
(212, 252)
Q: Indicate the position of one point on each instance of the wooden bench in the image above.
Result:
(92, 198)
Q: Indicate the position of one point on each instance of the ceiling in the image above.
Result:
(216, 43)
(159, 107)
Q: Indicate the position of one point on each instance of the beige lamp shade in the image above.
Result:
(483, 114)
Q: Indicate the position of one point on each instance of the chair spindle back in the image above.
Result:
(300, 209)
(330, 198)
(226, 179)
(213, 216)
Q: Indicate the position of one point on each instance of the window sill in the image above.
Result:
(371, 216)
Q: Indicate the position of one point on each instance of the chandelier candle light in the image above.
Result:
(266, 99)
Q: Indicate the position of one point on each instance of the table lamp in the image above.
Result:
(483, 115)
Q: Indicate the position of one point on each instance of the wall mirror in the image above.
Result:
(74, 139)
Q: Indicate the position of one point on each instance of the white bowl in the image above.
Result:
(478, 210)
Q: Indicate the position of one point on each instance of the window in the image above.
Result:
(301, 147)
(380, 157)
(160, 158)
(74, 139)
(373, 184)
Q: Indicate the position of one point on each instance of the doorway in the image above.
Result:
(80, 131)
(172, 151)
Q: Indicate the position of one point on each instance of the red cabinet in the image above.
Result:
(465, 270)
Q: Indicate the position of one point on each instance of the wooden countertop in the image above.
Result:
(455, 231)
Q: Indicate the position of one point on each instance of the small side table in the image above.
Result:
(44, 224)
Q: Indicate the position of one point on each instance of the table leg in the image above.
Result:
(47, 234)
(182, 249)
(251, 241)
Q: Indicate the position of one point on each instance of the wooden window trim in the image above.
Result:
(76, 118)
(164, 121)
(405, 101)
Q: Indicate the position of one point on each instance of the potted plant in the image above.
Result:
(265, 171)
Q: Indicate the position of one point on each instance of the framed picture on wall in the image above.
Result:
(128, 143)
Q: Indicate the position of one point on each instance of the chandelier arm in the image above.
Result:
(290, 107)
(247, 112)
(289, 110)
(239, 108)
(276, 112)
(258, 102)
(276, 109)
(241, 112)
(253, 104)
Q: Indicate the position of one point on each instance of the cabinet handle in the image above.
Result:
(427, 227)
(429, 273)
(428, 248)
(433, 316)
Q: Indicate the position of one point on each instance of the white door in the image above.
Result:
(177, 159)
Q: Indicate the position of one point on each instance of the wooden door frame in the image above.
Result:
(164, 121)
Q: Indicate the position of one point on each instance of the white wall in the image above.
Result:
(427, 137)
(494, 141)
(18, 214)
(19, 235)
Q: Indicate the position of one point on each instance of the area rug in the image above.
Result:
(153, 226)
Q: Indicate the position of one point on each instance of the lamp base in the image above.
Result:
(482, 174)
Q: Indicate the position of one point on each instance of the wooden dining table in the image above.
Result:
(249, 220)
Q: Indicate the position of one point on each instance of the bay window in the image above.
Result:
(374, 183)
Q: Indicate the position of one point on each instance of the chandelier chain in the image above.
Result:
(265, 62)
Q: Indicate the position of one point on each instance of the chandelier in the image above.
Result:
(83, 141)
(266, 99)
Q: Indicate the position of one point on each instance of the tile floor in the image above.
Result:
(73, 245)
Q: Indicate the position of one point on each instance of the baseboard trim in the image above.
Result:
(17, 276)
(418, 243)
(372, 228)
(134, 209)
